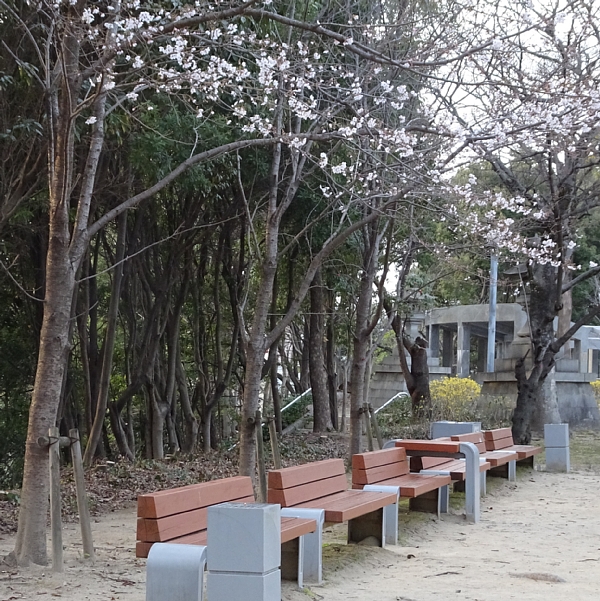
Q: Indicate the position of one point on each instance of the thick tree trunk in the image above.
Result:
(318, 375)
(544, 306)
(419, 382)
(52, 360)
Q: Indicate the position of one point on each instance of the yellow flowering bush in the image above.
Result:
(596, 389)
(453, 398)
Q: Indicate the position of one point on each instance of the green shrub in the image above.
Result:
(296, 411)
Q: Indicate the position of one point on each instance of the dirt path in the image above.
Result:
(538, 539)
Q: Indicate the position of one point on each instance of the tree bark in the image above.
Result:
(318, 375)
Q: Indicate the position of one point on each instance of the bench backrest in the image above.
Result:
(428, 463)
(376, 466)
(498, 439)
(299, 484)
(476, 438)
(169, 514)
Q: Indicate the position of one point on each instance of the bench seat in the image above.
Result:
(501, 439)
(323, 485)
(390, 467)
(455, 467)
(503, 462)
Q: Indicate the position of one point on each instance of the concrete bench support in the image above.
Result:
(174, 572)
(389, 528)
(310, 562)
(245, 552)
(556, 440)
(472, 481)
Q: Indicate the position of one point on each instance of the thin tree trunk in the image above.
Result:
(109, 344)
(318, 375)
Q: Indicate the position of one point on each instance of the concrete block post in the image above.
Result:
(245, 552)
(447, 428)
(556, 440)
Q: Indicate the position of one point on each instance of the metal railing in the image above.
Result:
(396, 396)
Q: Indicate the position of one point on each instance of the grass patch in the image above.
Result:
(585, 450)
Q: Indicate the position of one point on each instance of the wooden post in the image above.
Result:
(274, 444)
(55, 520)
(260, 451)
(365, 412)
(82, 504)
(375, 426)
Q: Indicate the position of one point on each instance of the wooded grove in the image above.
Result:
(210, 208)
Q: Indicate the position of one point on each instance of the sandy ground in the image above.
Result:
(538, 539)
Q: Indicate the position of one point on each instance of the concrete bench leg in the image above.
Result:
(483, 484)
(390, 514)
(444, 491)
(444, 498)
(175, 572)
(370, 524)
(428, 502)
(310, 555)
(512, 471)
(472, 481)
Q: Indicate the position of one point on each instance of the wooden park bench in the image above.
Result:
(323, 485)
(503, 462)
(501, 440)
(390, 467)
(179, 515)
(450, 449)
(455, 468)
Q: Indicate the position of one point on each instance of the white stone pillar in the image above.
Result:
(463, 350)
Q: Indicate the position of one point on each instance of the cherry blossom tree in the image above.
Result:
(536, 124)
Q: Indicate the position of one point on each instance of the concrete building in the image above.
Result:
(458, 345)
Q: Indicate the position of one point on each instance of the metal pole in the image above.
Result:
(491, 346)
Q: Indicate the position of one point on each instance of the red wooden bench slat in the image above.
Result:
(370, 460)
(292, 528)
(308, 472)
(525, 451)
(497, 434)
(413, 485)
(456, 467)
(289, 497)
(185, 498)
(476, 438)
(350, 504)
(429, 445)
(382, 472)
